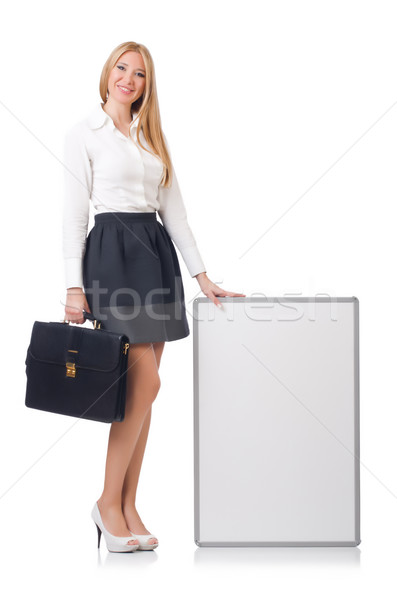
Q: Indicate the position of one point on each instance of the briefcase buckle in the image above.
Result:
(70, 369)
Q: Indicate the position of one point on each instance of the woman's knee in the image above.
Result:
(156, 385)
(146, 387)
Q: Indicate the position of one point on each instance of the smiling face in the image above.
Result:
(127, 78)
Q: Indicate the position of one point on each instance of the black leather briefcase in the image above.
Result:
(77, 371)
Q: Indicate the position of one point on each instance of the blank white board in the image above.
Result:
(276, 421)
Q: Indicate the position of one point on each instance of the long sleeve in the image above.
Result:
(76, 207)
(173, 215)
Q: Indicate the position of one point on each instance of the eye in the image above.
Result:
(120, 67)
(141, 74)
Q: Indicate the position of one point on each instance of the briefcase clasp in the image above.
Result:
(70, 369)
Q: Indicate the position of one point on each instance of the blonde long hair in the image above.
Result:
(147, 105)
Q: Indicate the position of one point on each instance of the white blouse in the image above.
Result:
(111, 170)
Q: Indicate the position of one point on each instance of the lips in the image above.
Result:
(124, 89)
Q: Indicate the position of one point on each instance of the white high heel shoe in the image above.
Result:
(114, 543)
(143, 541)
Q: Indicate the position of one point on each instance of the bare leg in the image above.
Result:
(143, 383)
(131, 515)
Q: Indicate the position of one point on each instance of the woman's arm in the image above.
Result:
(76, 207)
(76, 210)
(173, 214)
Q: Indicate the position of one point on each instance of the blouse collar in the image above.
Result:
(98, 117)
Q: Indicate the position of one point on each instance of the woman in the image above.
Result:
(118, 158)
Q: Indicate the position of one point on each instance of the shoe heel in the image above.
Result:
(99, 534)
(113, 543)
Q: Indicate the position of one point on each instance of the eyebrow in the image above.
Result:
(121, 63)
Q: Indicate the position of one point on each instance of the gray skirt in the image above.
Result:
(132, 278)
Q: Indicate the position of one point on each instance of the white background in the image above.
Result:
(281, 117)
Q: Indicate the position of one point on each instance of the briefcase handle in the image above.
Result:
(90, 317)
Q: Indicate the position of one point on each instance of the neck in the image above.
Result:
(119, 113)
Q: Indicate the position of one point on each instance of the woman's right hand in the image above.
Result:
(75, 303)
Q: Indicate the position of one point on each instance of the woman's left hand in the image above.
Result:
(211, 290)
